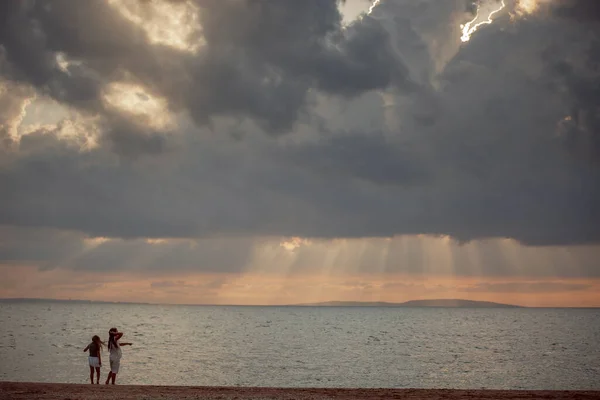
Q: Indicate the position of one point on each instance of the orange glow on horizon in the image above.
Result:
(28, 281)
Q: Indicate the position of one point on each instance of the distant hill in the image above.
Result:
(449, 303)
(41, 300)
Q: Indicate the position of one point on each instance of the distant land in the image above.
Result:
(449, 303)
(440, 303)
(36, 300)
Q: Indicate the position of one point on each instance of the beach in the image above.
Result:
(58, 391)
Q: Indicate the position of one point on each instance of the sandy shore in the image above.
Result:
(56, 391)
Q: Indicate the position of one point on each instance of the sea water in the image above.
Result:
(307, 346)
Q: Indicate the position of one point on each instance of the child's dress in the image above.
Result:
(115, 357)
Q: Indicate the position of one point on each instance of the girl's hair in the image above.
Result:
(111, 338)
(96, 339)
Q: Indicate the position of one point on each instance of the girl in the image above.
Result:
(114, 347)
(94, 359)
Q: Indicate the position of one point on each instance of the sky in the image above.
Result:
(283, 151)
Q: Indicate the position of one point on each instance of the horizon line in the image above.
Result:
(330, 303)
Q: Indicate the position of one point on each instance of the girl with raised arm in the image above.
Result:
(94, 359)
(114, 347)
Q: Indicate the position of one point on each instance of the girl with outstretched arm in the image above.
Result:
(114, 348)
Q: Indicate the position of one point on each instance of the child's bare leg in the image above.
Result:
(108, 377)
(114, 376)
(91, 374)
(97, 375)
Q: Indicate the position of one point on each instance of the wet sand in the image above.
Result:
(57, 391)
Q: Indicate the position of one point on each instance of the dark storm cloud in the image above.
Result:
(129, 139)
(103, 46)
(481, 152)
(277, 51)
(505, 140)
(259, 61)
(354, 155)
(22, 245)
(581, 10)
(304, 40)
(575, 71)
(30, 53)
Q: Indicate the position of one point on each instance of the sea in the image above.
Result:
(368, 347)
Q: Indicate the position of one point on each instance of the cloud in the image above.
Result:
(371, 258)
(353, 154)
(392, 126)
(257, 61)
(581, 10)
(13, 101)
